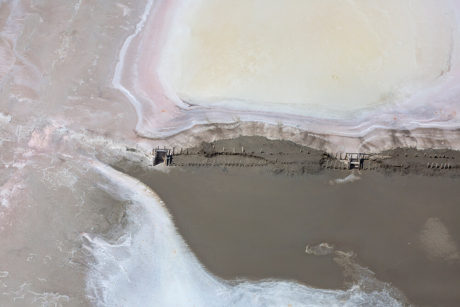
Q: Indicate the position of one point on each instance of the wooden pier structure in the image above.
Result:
(356, 160)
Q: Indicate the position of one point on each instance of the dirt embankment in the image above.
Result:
(280, 156)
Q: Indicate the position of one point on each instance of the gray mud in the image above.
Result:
(280, 156)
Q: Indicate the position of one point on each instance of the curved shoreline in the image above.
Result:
(278, 214)
(186, 279)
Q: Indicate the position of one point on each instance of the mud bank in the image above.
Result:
(279, 156)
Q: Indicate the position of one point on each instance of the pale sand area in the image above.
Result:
(250, 224)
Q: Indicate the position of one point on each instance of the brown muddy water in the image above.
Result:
(246, 223)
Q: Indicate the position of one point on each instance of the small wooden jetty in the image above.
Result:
(163, 155)
(356, 160)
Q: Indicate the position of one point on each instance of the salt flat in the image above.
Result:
(321, 58)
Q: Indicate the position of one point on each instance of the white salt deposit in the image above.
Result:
(348, 179)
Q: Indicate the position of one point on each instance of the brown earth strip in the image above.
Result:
(281, 156)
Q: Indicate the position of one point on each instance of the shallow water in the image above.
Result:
(247, 224)
(153, 265)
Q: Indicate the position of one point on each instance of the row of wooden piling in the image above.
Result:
(337, 164)
(193, 164)
(235, 150)
(437, 156)
(439, 165)
(334, 161)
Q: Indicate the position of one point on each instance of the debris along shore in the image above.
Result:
(287, 157)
